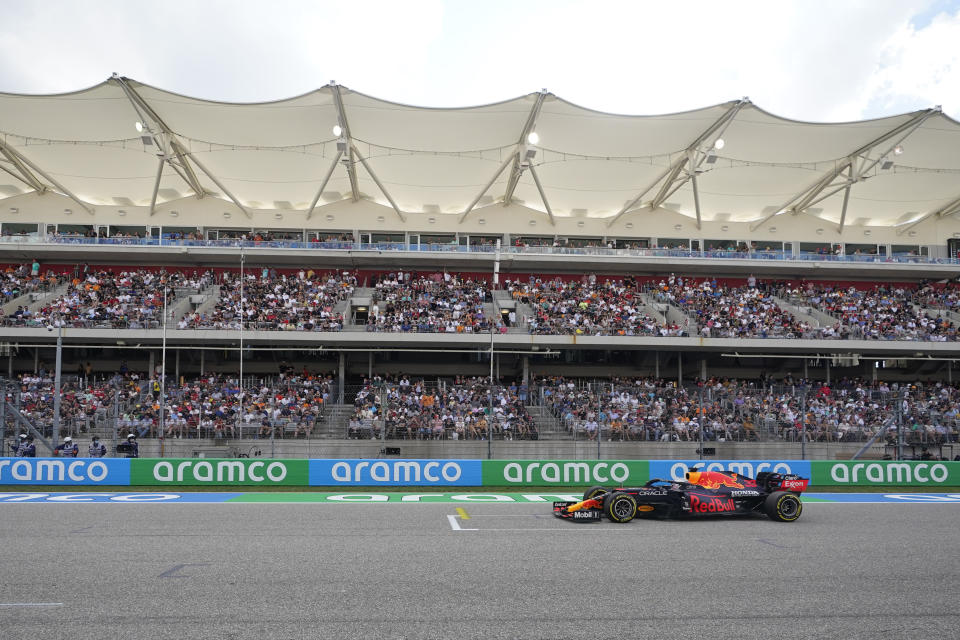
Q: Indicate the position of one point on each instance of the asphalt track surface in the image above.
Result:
(139, 571)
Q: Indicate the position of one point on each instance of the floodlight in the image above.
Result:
(139, 126)
(718, 144)
(533, 138)
(337, 130)
(898, 150)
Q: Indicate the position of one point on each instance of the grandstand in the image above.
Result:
(335, 267)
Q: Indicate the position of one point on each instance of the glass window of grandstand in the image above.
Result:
(852, 249)
(180, 233)
(277, 235)
(334, 237)
(534, 241)
(383, 239)
(121, 231)
(908, 250)
(768, 246)
(76, 230)
(479, 240)
(816, 248)
(722, 245)
(227, 234)
(631, 243)
(583, 243)
(436, 239)
(674, 243)
(30, 229)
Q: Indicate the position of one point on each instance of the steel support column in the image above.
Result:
(376, 180)
(323, 185)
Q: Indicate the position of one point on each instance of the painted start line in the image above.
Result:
(407, 498)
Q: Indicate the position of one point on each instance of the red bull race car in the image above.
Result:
(701, 493)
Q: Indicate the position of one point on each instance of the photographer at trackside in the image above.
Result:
(27, 449)
(68, 449)
(96, 449)
(131, 448)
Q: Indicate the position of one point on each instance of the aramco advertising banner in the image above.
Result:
(451, 473)
(858, 473)
(227, 472)
(675, 469)
(396, 473)
(563, 473)
(65, 471)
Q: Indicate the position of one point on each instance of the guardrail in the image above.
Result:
(478, 249)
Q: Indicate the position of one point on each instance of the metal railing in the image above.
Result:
(654, 252)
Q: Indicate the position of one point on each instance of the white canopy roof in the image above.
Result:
(284, 155)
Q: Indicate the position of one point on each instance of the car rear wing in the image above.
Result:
(793, 484)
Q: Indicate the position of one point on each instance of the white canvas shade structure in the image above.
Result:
(895, 171)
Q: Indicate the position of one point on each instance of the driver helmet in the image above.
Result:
(131, 437)
(23, 436)
(67, 439)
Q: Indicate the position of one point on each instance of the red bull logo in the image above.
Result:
(585, 504)
(711, 505)
(714, 479)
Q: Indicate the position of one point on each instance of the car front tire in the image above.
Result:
(620, 507)
(593, 492)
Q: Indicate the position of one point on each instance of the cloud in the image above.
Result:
(920, 68)
(809, 60)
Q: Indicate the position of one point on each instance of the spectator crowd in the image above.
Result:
(463, 409)
(443, 302)
(435, 303)
(653, 409)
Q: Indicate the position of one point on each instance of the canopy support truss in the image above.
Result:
(323, 185)
(23, 174)
(543, 196)
(31, 169)
(518, 167)
(696, 192)
(510, 160)
(693, 156)
(156, 187)
(220, 186)
(949, 209)
(348, 139)
(846, 199)
(380, 186)
(163, 136)
(811, 195)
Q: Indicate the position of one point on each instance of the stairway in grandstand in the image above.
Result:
(336, 417)
(361, 297)
(204, 301)
(548, 424)
(669, 313)
(806, 313)
(950, 316)
(35, 299)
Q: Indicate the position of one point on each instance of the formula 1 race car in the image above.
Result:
(701, 493)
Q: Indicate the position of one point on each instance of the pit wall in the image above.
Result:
(198, 472)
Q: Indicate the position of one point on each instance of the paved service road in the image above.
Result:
(490, 571)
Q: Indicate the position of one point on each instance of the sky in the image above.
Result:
(813, 60)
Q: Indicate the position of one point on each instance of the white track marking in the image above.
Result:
(31, 604)
(456, 525)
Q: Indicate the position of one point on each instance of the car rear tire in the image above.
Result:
(783, 506)
(593, 492)
(620, 507)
